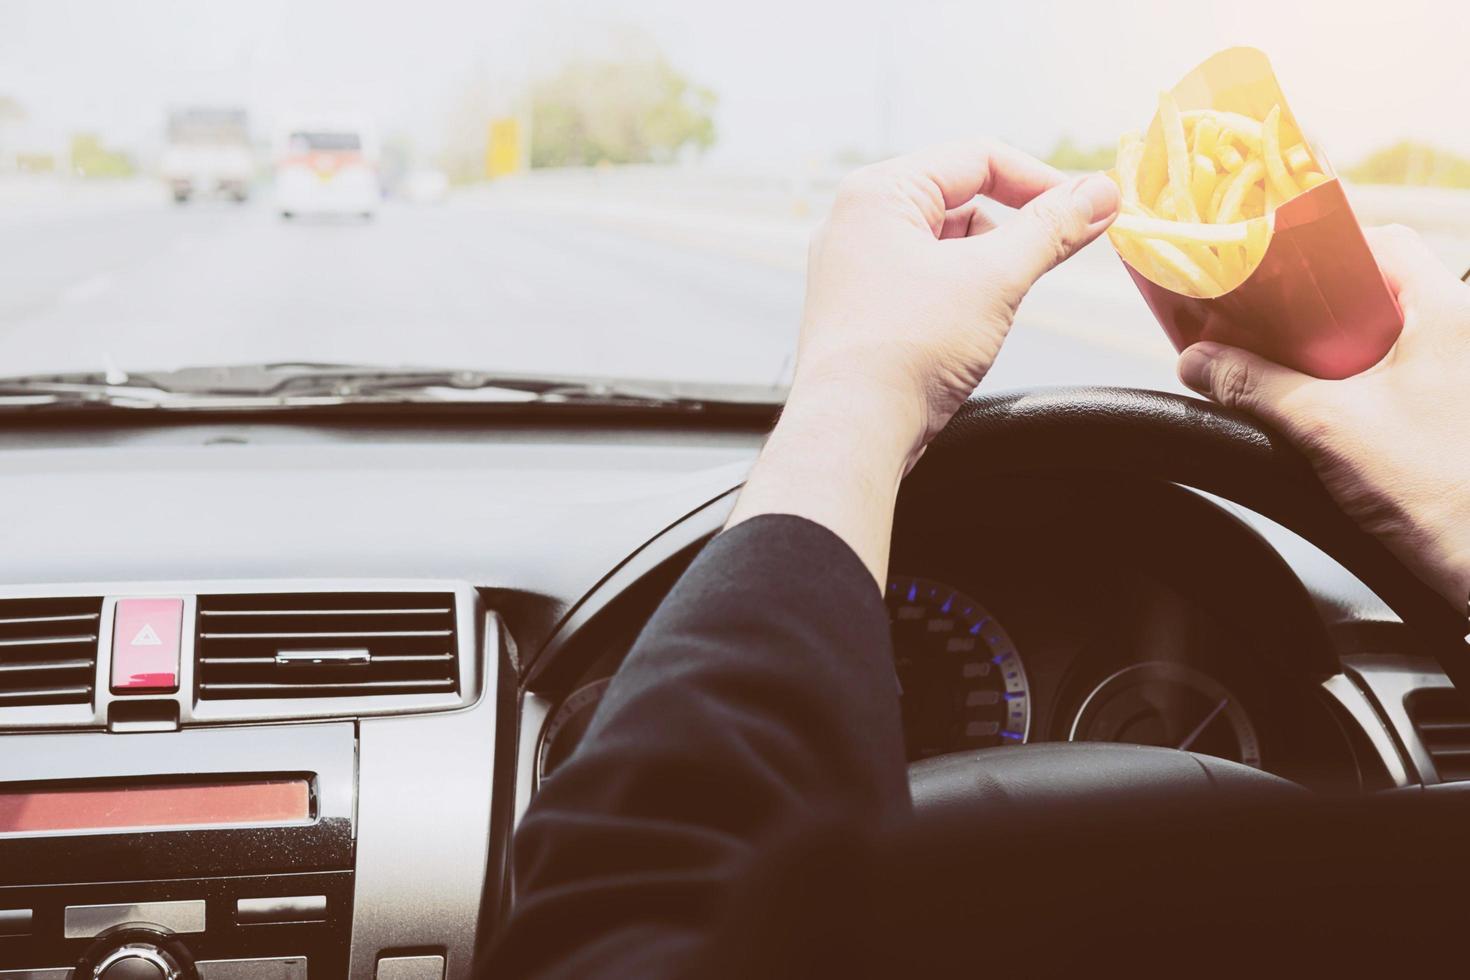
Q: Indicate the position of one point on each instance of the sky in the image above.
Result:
(798, 83)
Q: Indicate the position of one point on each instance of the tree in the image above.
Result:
(1069, 156)
(1407, 162)
(637, 110)
(90, 158)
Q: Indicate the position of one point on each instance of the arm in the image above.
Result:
(762, 692)
(1392, 444)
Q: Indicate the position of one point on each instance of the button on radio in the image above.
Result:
(137, 961)
(135, 952)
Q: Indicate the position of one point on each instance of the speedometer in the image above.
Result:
(963, 683)
(567, 726)
(1169, 704)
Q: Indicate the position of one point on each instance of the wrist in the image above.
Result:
(836, 457)
(1448, 552)
(889, 420)
(1457, 589)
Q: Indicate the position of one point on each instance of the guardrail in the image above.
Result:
(749, 192)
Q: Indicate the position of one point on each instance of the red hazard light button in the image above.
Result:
(145, 644)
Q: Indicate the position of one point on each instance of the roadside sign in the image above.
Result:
(503, 152)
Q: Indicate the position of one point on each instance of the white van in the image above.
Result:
(327, 167)
(208, 152)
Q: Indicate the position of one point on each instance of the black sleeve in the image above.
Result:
(760, 696)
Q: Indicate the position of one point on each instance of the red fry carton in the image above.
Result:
(1316, 301)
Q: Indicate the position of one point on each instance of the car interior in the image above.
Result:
(382, 632)
(371, 373)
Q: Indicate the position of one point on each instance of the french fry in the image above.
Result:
(1240, 184)
(1311, 178)
(1212, 213)
(1278, 179)
(1202, 182)
(1232, 261)
(1136, 252)
(1244, 128)
(1164, 206)
(1153, 172)
(1182, 232)
(1206, 259)
(1299, 158)
(1229, 157)
(1205, 138)
(1130, 158)
(1255, 202)
(1177, 151)
(1257, 237)
(1171, 258)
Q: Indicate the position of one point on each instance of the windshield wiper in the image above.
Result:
(294, 385)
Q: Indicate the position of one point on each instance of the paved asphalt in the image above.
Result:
(157, 286)
(492, 285)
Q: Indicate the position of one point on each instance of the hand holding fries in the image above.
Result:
(1391, 445)
(1236, 231)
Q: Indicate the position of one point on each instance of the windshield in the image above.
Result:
(599, 188)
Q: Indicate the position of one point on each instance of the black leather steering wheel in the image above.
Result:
(1171, 438)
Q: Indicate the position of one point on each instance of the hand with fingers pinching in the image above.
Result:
(910, 294)
(1392, 444)
(911, 289)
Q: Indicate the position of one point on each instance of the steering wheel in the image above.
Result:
(1163, 437)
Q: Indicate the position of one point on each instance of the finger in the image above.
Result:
(1242, 380)
(965, 221)
(1049, 230)
(1413, 271)
(958, 171)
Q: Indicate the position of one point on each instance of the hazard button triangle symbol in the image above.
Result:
(146, 637)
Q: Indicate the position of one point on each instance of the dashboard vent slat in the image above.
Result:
(291, 645)
(1441, 716)
(48, 650)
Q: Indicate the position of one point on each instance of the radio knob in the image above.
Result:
(137, 961)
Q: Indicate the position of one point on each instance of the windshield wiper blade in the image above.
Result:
(304, 385)
(38, 392)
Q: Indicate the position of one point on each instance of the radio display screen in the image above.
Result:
(133, 804)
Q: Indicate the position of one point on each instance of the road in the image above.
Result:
(156, 286)
(510, 280)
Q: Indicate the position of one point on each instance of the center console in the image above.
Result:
(249, 781)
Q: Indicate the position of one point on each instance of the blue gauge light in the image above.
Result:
(964, 686)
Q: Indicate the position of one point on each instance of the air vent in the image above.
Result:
(48, 650)
(1442, 719)
(322, 645)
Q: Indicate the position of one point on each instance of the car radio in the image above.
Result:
(205, 849)
(311, 836)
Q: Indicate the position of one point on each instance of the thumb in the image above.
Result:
(1051, 227)
(1242, 380)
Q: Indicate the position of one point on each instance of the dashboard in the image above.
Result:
(505, 569)
(1051, 611)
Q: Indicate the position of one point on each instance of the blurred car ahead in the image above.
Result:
(208, 152)
(328, 168)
